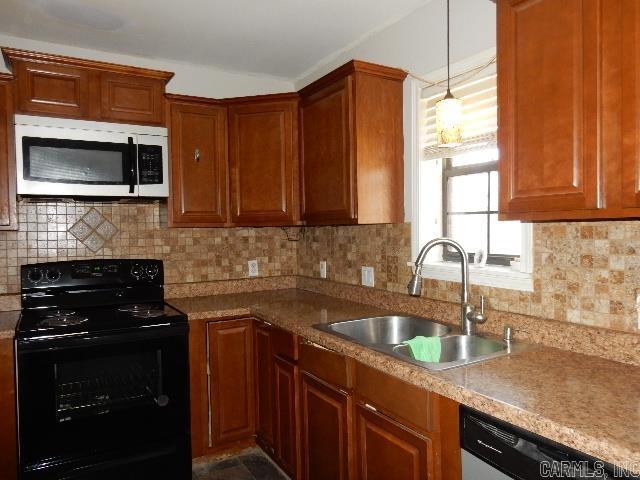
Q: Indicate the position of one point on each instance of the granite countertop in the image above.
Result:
(585, 402)
(8, 322)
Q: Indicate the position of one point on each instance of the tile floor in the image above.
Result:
(248, 465)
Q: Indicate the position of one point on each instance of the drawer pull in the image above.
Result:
(370, 407)
(304, 341)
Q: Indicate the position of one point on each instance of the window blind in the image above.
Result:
(480, 111)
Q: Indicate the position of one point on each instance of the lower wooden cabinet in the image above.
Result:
(386, 449)
(264, 387)
(325, 425)
(8, 444)
(231, 391)
(286, 437)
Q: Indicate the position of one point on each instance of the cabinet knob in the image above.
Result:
(196, 155)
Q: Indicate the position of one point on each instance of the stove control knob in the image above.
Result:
(137, 271)
(34, 275)
(152, 270)
(53, 275)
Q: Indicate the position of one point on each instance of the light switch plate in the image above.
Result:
(368, 276)
(323, 269)
(253, 268)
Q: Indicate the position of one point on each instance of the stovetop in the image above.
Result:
(57, 322)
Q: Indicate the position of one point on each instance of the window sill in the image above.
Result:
(490, 276)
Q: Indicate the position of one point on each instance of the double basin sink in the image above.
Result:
(386, 334)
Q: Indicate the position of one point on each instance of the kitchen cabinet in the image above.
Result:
(352, 146)
(8, 208)
(325, 414)
(263, 160)
(54, 85)
(264, 387)
(286, 425)
(568, 117)
(387, 449)
(231, 387)
(198, 146)
(8, 444)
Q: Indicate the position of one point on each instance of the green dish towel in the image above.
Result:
(425, 349)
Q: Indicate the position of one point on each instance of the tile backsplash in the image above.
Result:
(586, 273)
(47, 233)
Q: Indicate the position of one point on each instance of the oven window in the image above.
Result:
(75, 161)
(106, 384)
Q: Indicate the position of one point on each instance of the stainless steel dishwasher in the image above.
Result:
(495, 450)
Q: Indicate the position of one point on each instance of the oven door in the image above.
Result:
(75, 162)
(89, 404)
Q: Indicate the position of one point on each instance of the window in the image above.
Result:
(456, 194)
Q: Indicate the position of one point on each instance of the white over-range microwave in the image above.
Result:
(77, 158)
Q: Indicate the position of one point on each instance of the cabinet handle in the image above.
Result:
(196, 155)
(370, 407)
(304, 341)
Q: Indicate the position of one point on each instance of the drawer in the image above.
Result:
(283, 343)
(332, 367)
(399, 400)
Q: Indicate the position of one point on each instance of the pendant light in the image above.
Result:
(449, 109)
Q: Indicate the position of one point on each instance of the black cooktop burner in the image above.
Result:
(61, 318)
(143, 310)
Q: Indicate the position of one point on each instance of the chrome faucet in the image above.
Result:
(469, 315)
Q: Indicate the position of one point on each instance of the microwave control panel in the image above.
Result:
(150, 164)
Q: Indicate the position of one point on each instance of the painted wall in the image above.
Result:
(189, 79)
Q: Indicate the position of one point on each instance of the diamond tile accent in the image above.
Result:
(93, 230)
(94, 242)
(93, 218)
(80, 230)
(107, 230)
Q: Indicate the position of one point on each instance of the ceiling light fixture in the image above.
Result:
(449, 109)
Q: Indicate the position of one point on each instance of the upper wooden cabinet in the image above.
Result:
(263, 160)
(198, 147)
(71, 87)
(352, 147)
(8, 212)
(568, 83)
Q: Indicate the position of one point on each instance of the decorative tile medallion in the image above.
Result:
(93, 230)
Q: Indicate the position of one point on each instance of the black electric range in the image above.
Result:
(102, 373)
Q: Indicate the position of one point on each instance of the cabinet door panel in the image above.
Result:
(263, 162)
(199, 165)
(286, 438)
(232, 389)
(8, 444)
(549, 118)
(386, 449)
(328, 154)
(324, 428)
(264, 386)
(130, 98)
(631, 104)
(53, 90)
(8, 212)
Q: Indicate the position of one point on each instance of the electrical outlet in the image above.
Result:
(368, 276)
(323, 269)
(253, 268)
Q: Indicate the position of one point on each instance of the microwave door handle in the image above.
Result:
(133, 161)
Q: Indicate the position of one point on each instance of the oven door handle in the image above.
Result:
(133, 163)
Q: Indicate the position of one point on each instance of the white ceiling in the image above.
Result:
(281, 38)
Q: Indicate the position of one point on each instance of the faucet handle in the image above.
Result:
(475, 315)
(482, 304)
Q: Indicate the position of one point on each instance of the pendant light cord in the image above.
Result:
(448, 53)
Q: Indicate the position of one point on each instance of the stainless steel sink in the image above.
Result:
(390, 330)
(386, 334)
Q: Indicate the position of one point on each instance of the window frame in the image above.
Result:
(449, 171)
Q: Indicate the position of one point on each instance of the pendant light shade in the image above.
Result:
(449, 110)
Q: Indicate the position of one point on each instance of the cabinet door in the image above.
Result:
(264, 386)
(385, 449)
(8, 444)
(231, 386)
(263, 162)
(548, 95)
(131, 98)
(8, 213)
(199, 165)
(324, 426)
(57, 90)
(630, 103)
(328, 155)
(286, 438)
